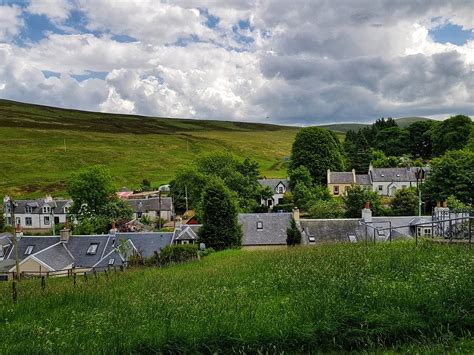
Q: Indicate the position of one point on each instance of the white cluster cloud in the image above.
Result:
(283, 61)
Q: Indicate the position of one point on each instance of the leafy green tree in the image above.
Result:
(91, 189)
(302, 194)
(220, 228)
(420, 139)
(331, 208)
(405, 202)
(2, 220)
(455, 204)
(146, 185)
(380, 160)
(451, 175)
(293, 234)
(318, 149)
(358, 151)
(95, 202)
(355, 200)
(300, 174)
(370, 132)
(187, 182)
(393, 141)
(451, 134)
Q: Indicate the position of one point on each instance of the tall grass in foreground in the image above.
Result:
(324, 298)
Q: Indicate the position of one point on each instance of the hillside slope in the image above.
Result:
(345, 127)
(41, 146)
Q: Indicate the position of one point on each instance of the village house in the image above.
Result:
(37, 215)
(152, 207)
(384, 181)
(278, 187)
(50, 254)
(263, 230)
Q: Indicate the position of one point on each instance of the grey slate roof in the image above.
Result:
(184, 232)
(273, 183)
(145, 205)
(393, 174)
(58, 257)
(38, 243)
(341, 177)
(78, 245)
(146, 243)
(272, 233)
(37, 205)
(363, 179)
(327, 230)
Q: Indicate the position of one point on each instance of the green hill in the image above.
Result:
(41, 146)
(333, 298)
(345, 127)
(406, 121)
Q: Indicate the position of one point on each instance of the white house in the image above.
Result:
(37, 215)
(278, 186)
(386, 181)
(152, 207)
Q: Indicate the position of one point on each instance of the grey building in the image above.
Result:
(152, 207)
(264, 229)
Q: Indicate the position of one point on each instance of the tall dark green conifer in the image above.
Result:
(220, 229)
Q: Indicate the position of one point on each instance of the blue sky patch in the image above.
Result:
(48, 74)
(90, 75)
(124, 38)
(451, 33)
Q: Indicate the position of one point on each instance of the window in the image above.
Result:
(9, 220)
(92, 250)
(46, 209)
(335, 190)
(66, 209)
(259, 225)
(111, 261)
(18, 220)
(139, 215)
(380, 188)
(29, 209)
(46, 220)
(28, 221)
(280, 189)
(29, 249)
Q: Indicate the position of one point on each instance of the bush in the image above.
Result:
(293, 234)
(206, 252)
(178, 253)
(283, 207)
(332, 208)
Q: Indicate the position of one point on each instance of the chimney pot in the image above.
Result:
(296, 214)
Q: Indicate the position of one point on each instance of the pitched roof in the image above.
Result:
(146, 243)
(273, 183)
(341, 177)
(363, 179)
(38, 243)
(326, 230)
(273, 231)
(184, 232)
(393, 174)
(145, 205)
(79, 244)
(57, 257)
(37, 205)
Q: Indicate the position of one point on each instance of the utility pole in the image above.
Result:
(186, 196)
(159, 211)
(12, 214)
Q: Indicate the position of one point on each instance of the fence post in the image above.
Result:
(121, 268)
(43, 283)
(85, 276)
(14, 294)
(374, 236)
(74, 278)
(470, 229)
(94, 272)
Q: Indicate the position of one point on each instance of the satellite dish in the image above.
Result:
(202, 246)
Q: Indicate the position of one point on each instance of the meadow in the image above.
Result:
(41, 146)
(334, 297)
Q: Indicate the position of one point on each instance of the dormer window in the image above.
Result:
(92, 250)
(46, 209)
(29, 209)
(29, 249)
(280, 189)
(66, 209)
(259, 225)
(382, 175)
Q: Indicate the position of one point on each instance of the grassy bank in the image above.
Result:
(41, 146)
(330, 297)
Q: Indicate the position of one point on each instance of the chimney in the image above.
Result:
(296, 214)
(18, 231)
(329, 176)
(65, 233)
(354, 176)
(367, 213)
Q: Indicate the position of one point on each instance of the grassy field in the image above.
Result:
(41, 146)
(389, 297)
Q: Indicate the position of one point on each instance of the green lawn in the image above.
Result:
(396, 297)
(41, 146)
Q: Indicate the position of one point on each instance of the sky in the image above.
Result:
(281, 61)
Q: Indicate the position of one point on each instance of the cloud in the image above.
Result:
(312, 63)
(57, 11)
(10, 22)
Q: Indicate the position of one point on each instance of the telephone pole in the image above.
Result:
(17, 262)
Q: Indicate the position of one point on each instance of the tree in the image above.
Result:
(302, 194)
(318, 149)
(392, 141)
(146, 185)
(420, 139)
(331, 208)
(451, 134)
(358, 151)
(451, 174)
(380, 160)
(300, 174)
(293, 234)
(2, 220)
(95, 202)
(188, 183)
(357, 197)
(405, 202)
(220, 228)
